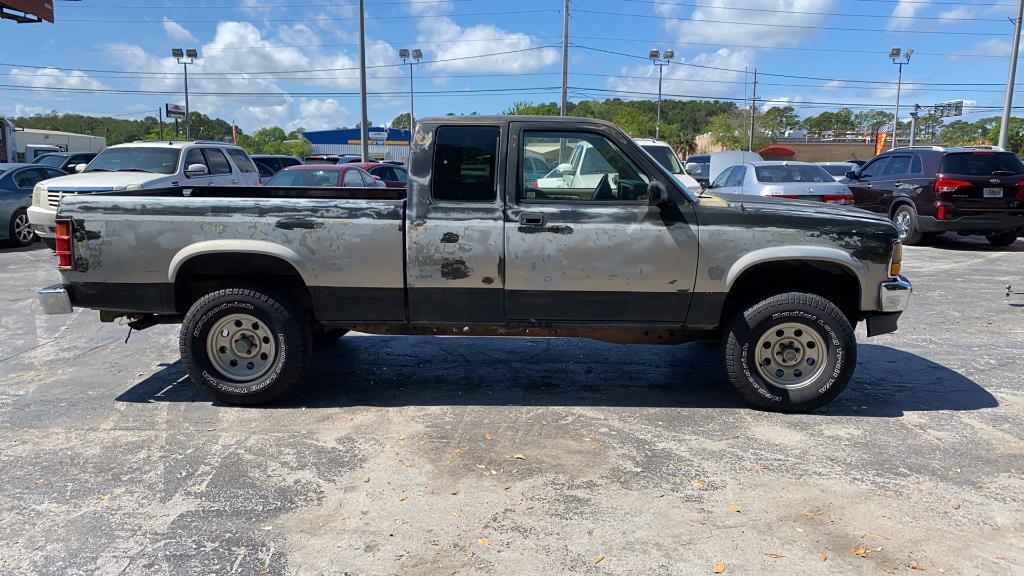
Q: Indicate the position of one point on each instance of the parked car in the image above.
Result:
(535, 167)
(470, 250)
(393, 175)
(16, 182)
(782, 179)
(699, 168)
(143, 166)
(325, 176)
(838, 170)
(663, 153)
(859, 163)
(332, 158)
(936, 189)
(65, 161)
(270, 164)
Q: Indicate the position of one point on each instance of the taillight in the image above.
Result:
(940, 213)
(790, 196)
(62, 239)
(1020, 190)
(949, 184)
(838, 199)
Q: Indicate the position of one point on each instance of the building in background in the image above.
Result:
(385, 143)
(27, 11)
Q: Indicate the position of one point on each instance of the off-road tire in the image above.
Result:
(758, 321)
(1003, 238)
(913, 234)
(290, 336)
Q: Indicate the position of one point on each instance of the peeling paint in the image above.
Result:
(455, 269)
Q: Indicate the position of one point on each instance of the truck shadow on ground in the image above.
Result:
(427, 371)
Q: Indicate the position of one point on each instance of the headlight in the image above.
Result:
(38, 195)
(897, 260)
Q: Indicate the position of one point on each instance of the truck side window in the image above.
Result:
(194, 156)
(216, 161)
(597, 169)
(464, 163)
(241, 160)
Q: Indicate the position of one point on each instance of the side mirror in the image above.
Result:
(658, 194)
(79, 167)
(194, 170)
(564, 168)
(692, 168)
(852, 175)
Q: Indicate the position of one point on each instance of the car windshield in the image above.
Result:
(791, 173)
(981, 164)
(306, 178)
(52, 160)
(665, 156)
(136, 159)
(837, 169)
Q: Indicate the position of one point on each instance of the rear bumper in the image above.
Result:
(55, 300)
(42, 220)
(978, 223)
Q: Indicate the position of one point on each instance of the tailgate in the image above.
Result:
(981, 180)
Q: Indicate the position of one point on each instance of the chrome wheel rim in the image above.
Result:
(241, 347)
(791, 355)
(902, 221)
(22, 229)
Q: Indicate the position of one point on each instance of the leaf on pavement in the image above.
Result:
(488, 437)
(598, 560)
(860, 551)
(824, 557)
(484, 541)
(518, 457)
(775, 555)
(719, 568)
(916, 566)
(734, 508)
(698, 484)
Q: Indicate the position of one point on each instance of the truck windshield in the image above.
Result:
(49, 160)
(136, 159)
(798, 173)
(666, 157)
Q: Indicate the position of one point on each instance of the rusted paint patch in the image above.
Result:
(455, 269)
(557, 229)
(488, 280)
(449, 238)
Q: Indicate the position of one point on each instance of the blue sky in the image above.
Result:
(290, 62)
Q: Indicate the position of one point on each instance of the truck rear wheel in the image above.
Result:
(244, 345)
(793, 352)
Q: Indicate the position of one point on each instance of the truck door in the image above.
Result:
(454, 240)
(596, 251)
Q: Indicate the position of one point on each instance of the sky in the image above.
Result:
(294, 63)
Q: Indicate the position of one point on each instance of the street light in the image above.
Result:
(900, 58)
(658, 60)
(185, 57)
(412, 57)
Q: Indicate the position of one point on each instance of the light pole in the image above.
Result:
(900, 58)
(411, 58)
(186, 57)
(1004, 123)
(656, 58)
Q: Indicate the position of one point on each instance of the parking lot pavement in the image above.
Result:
(518, 456)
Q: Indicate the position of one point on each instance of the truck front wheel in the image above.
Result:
(793, 352)
(244, 345)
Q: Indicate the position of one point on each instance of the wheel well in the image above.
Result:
(206, 273)
(897, 203)
(833, 282)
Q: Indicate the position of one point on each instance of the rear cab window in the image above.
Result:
(981, 164)
(465, 162)
(241, 160)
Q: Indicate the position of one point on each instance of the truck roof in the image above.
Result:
(502, 120)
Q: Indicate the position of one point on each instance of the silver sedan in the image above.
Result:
(799, 180)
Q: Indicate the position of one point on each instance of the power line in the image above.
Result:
(315, 19)
(811, 13)
(798, 26)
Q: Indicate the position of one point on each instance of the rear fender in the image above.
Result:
(243, 247)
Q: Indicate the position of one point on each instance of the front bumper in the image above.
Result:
(42, 220)
(893, 297)
(55, 300)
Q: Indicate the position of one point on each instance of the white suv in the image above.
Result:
(663, 154)
(141, 166)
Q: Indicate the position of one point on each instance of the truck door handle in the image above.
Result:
(235, 181)
(897, 184)
(531, 219)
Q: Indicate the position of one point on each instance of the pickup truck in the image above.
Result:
(474, 248)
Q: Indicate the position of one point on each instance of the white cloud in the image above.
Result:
(176, 31)
(989, 47)
(780, 102)
(317, 114)
(833, 85)
(53, 78)
(903, 13)
(462, 45)
(420, 7)
(22, 110)
(690, 81)
(697, 28)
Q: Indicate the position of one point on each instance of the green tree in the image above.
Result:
(401, 121)
(778, 120)
(725, 133)
(867, 121)
(1015, 135)
(960, 132)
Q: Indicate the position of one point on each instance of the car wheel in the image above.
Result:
(905, 219)
(1003, 238)
(246, 346)
(20, 231)
(793, 352)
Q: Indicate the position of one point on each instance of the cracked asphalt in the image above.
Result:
(455, 455)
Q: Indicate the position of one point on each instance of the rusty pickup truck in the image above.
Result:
(614, 249)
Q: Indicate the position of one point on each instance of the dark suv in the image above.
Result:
(936, 189)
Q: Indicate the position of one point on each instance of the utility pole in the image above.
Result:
(565, 58)
(899, 58)
(160, 115)
(364, 136)
(1004, 125)
(413, 57)
(186, 57)
(753, 110)
(656, 58)
(913, 124)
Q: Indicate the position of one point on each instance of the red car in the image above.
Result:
(325, 176)
(393, 175)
